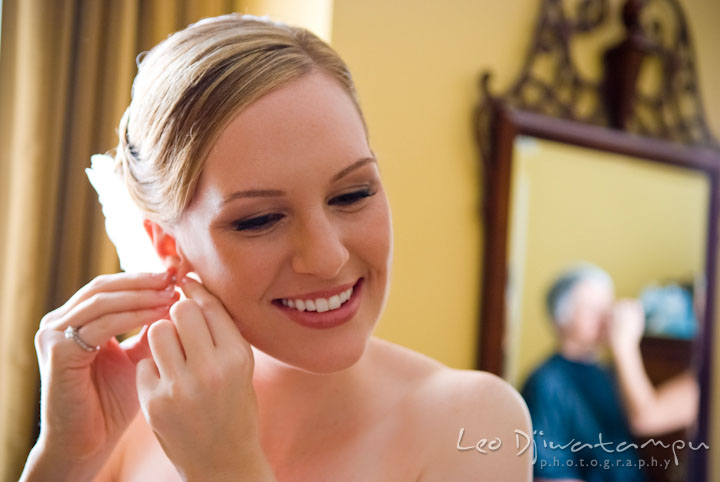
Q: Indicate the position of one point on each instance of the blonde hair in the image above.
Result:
(191, 85)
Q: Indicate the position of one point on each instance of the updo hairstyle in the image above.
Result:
(191, 85)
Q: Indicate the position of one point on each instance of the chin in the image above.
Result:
(337, 358)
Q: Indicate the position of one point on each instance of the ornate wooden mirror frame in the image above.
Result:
(666, 126)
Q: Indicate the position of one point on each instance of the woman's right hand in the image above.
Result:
(626, 326)
(89, 398)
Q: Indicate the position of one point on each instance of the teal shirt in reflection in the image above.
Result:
(573, 402)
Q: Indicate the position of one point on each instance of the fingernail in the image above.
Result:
(184, 280)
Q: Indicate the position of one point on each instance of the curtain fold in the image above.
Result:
(66, 68)
(38, 38)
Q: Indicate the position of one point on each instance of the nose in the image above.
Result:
(319, 249)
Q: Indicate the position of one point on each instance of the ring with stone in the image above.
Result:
(72, 333)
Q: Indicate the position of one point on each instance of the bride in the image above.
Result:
(246, 150)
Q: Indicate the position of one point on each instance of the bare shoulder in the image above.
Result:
(466, 424)
(432, 385)
(476, 395)
(480, 429)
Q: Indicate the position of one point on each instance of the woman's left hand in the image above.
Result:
(196, 391)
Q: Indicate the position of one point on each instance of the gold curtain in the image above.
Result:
(66, 68)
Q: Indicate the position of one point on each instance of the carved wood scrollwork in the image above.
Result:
(656, 38)
(647, 87)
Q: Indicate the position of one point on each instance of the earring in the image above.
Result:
(172, 262)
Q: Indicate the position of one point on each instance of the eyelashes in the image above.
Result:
(351, 198)
(263, 222)
(257, 223)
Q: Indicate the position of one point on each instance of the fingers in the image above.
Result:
(131, 300)
(53, 343)
(167, 351)
(200, 325)
(629, 310)
(222, 328)
(146, 378)
(192, 329)
(100, 305)
(110, 283)
(99, 331)
(137, 347)
(192, 378)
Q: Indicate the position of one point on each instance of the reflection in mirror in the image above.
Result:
(645, 224)
(642, 222)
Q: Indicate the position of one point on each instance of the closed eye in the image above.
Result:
(258, 223)
(351, 198)
(266, 221)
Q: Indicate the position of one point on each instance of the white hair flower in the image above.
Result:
(123, 218)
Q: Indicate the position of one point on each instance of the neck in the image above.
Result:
(298, 400)
(573, 350)
(294, 404)
(274, 376)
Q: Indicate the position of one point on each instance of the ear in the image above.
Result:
(166, 248)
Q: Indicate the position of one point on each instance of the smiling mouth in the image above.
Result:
(318, 304)
(322, 318)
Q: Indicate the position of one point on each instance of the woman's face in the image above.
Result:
(290, 206)
(592, 305)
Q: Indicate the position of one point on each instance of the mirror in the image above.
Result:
(618, 169)
(560, 192)
(643, 222)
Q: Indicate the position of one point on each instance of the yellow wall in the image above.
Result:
(416, 64)
(315, 15)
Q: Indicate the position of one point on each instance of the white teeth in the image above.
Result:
(320, 305)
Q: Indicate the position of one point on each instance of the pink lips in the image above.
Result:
(328, 319)
(323, 294)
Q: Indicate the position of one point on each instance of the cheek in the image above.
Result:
(592, 324)
(584, 325)
(236, 271)
(376, 235)
(232, 270)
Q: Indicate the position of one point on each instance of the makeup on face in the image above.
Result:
(322, 310)
(290, 226)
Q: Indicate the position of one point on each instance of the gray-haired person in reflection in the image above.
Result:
(574, 398)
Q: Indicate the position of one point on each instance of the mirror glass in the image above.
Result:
(643, 222)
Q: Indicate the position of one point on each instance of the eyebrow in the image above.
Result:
(276, 192)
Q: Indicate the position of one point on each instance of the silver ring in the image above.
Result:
(72, 333)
